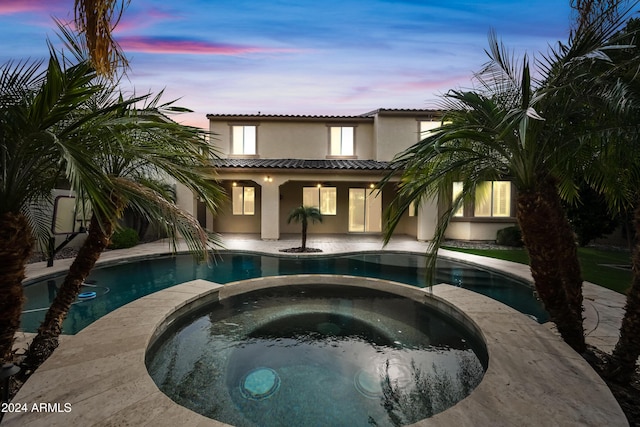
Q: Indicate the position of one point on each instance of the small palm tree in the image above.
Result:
(303, 214)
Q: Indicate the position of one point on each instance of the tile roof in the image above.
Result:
(339, 164)
(360, 117)
(402, 111)
(282, 116)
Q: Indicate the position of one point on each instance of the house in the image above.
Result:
(270, 164)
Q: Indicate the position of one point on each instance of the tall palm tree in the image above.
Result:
(536, 132)
(617, 177)
(95, 20)
(304, 214)
(140, 148)
(624, 358)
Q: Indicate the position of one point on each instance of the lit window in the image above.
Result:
(365, 210)
(425, 127)
(323, 198)
(243, 200)
(457, 189)
(493, 199)
(342, 141)
(243, 140)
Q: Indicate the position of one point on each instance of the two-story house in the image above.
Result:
(270, 164)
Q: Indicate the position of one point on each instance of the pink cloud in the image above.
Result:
(9, 7)
(132, 20)
(450, 82)
(179, 46)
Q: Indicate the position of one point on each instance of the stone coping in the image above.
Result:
(533, 378)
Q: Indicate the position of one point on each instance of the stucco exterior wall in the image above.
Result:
(394, 134)
(466, 230)
(295, 139)
(227, 222)
(290, 189)
(291, 197)
(379, 136)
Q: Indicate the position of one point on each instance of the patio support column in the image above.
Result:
(427, 219)
(270, 210)
(185, 199)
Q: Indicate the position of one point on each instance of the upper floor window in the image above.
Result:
(243, 140)
(323, 198)
(425, 126)
(342, 141)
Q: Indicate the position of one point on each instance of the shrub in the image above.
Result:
(590, 219)
(124, 238)
(509, 236)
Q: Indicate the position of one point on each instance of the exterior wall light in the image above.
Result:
(268, 179)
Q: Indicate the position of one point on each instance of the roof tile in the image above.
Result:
(339, 164)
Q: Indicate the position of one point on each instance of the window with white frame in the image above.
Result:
(243, 200)
(493, 199)
(323, 198)
(243, 140)
(341, 140)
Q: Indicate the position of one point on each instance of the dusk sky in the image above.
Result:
(299, 57)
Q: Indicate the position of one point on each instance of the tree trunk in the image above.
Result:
(553, 257)
(304, 236)
(625, 354)
(570, 270)
(16, 242)
(46, 341)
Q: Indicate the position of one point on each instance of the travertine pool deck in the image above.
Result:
(533, 377)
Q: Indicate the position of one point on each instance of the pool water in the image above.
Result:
(119, 284)
(317, 355)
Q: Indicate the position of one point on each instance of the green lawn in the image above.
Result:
(592, 261)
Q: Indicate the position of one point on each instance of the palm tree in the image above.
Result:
(96, 19)
(303, 214)
(140, 149)
(536, 132)
(623, 360)
(618, 179)
(41, 113)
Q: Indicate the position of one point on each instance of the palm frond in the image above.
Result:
(96, 19)
(155, 206)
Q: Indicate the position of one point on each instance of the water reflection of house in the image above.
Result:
(272, 163)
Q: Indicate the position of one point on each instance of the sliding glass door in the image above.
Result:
(365, 210)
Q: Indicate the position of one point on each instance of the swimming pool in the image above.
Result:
(118, 284)
(307, 355)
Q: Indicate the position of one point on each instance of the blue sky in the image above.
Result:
(299, 57)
